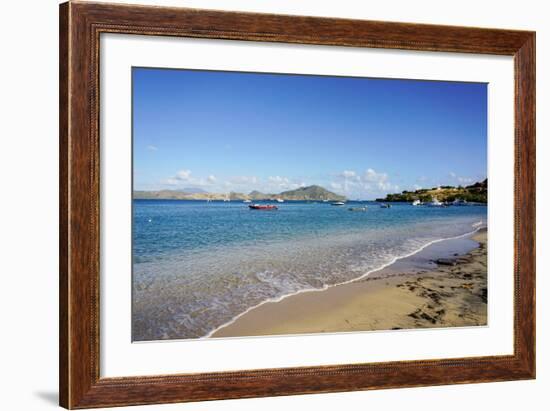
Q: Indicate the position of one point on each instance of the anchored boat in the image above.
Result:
(460, 202)
(436, 203)
(262, 207)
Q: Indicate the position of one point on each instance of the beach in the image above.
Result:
(444, 285)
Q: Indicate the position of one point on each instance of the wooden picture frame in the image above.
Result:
(80, 27)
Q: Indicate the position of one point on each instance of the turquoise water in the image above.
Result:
(198, 265)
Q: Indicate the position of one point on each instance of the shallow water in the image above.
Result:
(198, 265)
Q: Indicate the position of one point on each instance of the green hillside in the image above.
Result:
(474, 193)
(311, 193)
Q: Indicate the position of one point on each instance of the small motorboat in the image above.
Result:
(280, 200)
(357, 209)
(384, 205)
(262, 207)
(417, 203)
(436, 203)
(247, 201)
(459, 202)
(338, 203)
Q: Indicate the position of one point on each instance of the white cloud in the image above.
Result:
(348, 174)
(465, 180)
(379, 180)
(370, 182)
(243, 183)
(183, 175)
(152, 148)
(372, 176)
(349, 180)
(242, 180)
(461, 179)
(278, 183)
(278, 180)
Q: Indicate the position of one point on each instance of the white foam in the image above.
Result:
(478, 226)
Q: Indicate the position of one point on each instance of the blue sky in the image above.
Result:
(228, 131)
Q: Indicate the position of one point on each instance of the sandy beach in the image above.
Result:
(437, 287)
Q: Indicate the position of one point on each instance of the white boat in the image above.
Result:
(338, 203)
(247, 201)
(435, 203)
(417, 203)
(280, 200)
(459, 202)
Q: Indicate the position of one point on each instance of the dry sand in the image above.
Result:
(453, 293)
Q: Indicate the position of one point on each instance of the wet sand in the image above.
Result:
(444, 285)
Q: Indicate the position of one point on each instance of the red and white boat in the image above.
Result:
(262, 207)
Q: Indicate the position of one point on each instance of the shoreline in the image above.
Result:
(410, 292)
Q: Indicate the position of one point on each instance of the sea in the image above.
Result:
(198, 266)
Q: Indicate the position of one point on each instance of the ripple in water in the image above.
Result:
(189, 292)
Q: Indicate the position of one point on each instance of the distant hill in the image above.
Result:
(193, 190)
(474, 193)
(237, 196)
(313, 192)
(256, 195)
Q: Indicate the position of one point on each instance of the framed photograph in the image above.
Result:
(258, 205)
